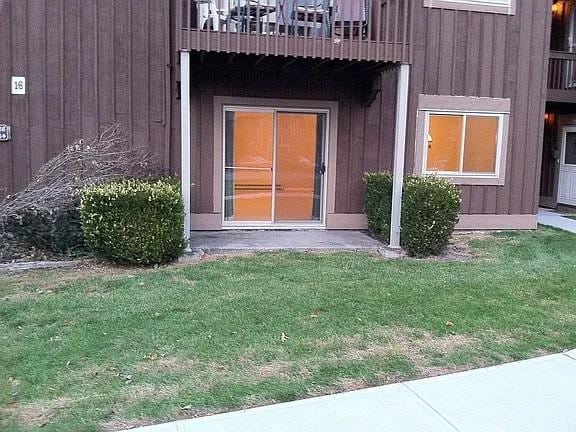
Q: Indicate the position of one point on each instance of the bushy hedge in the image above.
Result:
(55, 232)
(430, 208)
(378, 202)
(134, 221)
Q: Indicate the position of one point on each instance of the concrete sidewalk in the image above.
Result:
(555, 219)
(532, 395)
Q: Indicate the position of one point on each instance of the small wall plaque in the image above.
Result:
(18, 85)
(5, 133)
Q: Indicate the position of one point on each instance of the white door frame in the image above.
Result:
(321, 224)
(566, 169)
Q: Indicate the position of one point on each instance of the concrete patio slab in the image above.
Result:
(217, 241)
(530, 396)
(555, 219)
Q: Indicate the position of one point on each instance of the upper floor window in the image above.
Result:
(492, 6)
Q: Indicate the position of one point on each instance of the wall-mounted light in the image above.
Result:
(556, 7)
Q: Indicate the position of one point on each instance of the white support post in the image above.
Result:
(185, 139)
(399, 154)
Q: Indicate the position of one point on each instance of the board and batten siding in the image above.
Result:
(464, 53)
(88, 64)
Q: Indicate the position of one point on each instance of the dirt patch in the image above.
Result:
(402, 344)
(418, 348)
(459, 248)
(122, 424)
(351, 384)
(38, 414)
(253, 401)
(432, 371)
(48, 282)
(275, 370)
(149, 392)
(200, 374)
(390, 378)
(184, 413)
(342, 385)
(167, 364)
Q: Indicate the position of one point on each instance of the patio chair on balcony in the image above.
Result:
(247, 16)
(351, 19)
(205, 15)
(305, 17)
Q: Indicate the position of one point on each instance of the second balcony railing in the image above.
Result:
(372, 30)
(562, 77)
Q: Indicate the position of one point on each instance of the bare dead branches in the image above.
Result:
(60, 180)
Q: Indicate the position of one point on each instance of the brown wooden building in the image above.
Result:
(271, 110)
(558, 179)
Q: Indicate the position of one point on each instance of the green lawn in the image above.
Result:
(100, 349)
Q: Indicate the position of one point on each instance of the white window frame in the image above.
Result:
(474, 5)
(460, 172)
(463, 105)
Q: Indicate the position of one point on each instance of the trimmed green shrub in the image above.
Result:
(430, 208)
(57, 231)
(134, 221)
(429, 214)
(378, 202)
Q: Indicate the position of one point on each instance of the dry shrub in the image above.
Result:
(58, 183)
(45, 215)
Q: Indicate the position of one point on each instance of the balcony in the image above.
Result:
(562, 77)
(353, 30)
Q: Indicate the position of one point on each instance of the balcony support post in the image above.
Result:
(399, 153)
(185, 175)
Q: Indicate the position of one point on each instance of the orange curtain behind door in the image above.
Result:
(253, 152)
(295, 166)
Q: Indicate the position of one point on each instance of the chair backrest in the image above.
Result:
(350, 10)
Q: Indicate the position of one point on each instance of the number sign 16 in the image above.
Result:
(18, 85)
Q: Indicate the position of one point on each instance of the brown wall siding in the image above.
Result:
(365, 133)
(482, 54)
(87, 63)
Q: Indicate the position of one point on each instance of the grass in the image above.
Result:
(105, 349)
(570, 216)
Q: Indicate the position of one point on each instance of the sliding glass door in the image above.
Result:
(274, 167)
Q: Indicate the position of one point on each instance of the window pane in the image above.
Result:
(298, 163)
(481, 144)
(570, 153)
(248, 173)
(250, 137)
(248, 195)
(444, 142)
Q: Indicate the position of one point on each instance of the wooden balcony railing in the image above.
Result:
(562, 77)
(362, 30)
